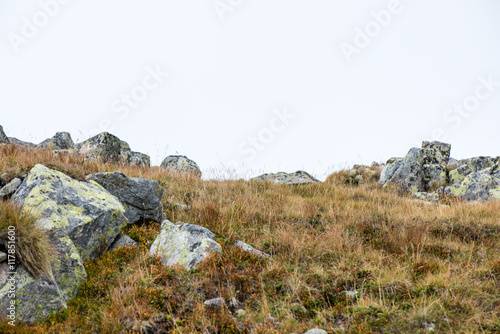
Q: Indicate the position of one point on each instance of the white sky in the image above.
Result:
(226, 78)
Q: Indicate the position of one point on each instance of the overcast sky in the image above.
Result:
(263, 85)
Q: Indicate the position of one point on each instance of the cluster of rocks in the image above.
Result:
(429, 172)
(107, 148)
(85, 218)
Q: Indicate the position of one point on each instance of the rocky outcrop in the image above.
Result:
(482, 185)
(429, 172)
(185, 245)
(109, 148)
(141, 198)
(421, 170)
(3, 137)
(297, 178)
(180, 163)
(86, 212)
(60, 141)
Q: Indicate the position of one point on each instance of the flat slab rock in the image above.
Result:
(299, 177)
(185, 245)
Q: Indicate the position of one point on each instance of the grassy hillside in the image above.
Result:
(343, 256)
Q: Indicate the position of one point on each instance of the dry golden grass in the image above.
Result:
(403, 263)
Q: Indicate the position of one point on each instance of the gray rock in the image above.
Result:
(316, 331)
(122, 240)
(21, 143)
(185, 245)
(427, 197)
(420, 170)
(250, 249)
(141, 198)
(60, 141)
(180, 163)
(86, 212)
(467, 166)
(297, 178)
(483, 185)
(3, 137)
(38, 297)
(3, 256)
(215, 303)
(435, 152)
(109, 148)
(138, 159)
(10, 188)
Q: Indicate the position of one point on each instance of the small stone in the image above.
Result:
(316, 331)
(240, 313)
(215, 303)
(3, 256)
(250, 249)
(10, 188)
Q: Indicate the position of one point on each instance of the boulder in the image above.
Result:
(60, 141)
(38, 297)
(141, 198)
(3, 137)
(422, 169)
(180, 163)
(86, 212)
(109, 148)
(185, 245)
(482, 185)
(297, 178)
(10, 188)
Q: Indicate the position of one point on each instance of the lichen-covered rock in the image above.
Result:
(60, 141)
(3, 137)
(91, 217)
(109, 148)
(122, 240)
(180, 163)
(137, 158)
(297, 178)
(250, 249)
(434, 176)
(37, 298)
(482, 185)
(185, 245)
(435, 152)
(140, 197)
(10, 188)
(420, 170)
(467, 166)
(427, 197)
